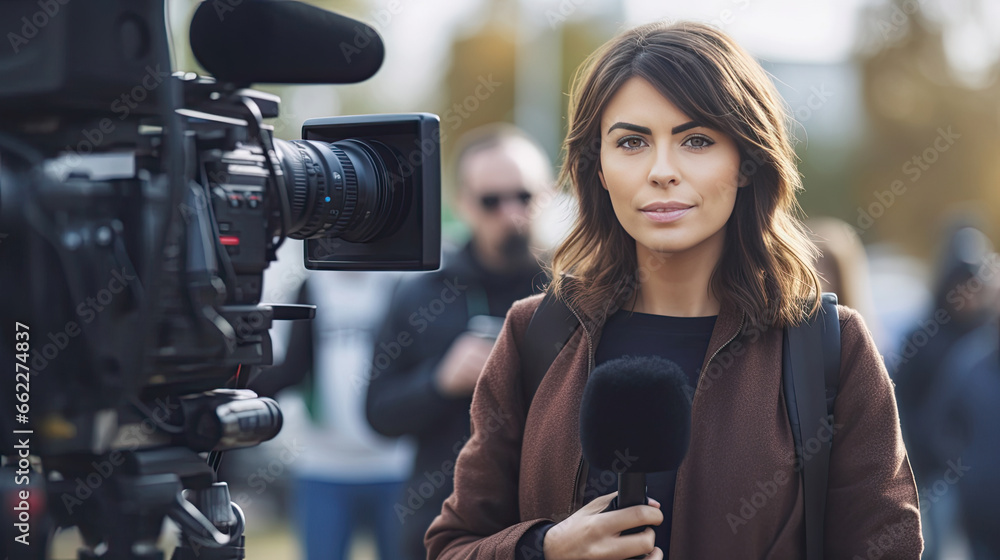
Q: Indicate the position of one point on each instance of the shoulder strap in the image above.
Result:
(548, 332)
(809, 400)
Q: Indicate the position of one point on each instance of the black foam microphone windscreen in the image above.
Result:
(635, 415)
(283, 42)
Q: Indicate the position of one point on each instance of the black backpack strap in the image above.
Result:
(831, 350)
(549, 330)
(809, 399)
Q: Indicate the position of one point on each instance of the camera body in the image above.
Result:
(138, 211)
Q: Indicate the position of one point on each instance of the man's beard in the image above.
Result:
(515, 249)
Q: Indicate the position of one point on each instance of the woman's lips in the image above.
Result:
(666, 216)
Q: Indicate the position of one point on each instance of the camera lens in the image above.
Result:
(354, 190)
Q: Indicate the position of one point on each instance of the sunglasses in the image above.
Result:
(491, 202)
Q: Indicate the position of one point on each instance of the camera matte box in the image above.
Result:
(416, 245)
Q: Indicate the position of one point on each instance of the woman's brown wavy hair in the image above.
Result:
(766, 267)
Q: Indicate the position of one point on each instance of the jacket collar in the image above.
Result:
(727, 327)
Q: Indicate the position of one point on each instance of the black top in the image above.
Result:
(683, 340)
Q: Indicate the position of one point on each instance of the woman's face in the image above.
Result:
(672, 182)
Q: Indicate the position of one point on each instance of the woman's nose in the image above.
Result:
(664, 171)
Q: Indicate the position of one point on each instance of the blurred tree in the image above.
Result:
(479, 84)
(478, 89)
(932, 141)
(492, 50)
(580, 39)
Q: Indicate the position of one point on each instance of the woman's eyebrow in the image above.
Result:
(630, 126)
(682, 127)
(643, 130)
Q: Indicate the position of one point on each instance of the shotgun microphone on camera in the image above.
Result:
(283, 42)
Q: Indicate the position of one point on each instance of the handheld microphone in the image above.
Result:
(283, 42)
(635, 418)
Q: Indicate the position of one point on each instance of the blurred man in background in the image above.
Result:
(441, 326)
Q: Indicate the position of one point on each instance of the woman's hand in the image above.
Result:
(589, 534)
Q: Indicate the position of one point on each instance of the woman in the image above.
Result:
(687, 246)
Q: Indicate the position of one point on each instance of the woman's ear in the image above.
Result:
(603, 182)
(744, 180)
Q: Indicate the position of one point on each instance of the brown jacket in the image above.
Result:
(737, 491)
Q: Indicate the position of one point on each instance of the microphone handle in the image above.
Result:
(631, 492)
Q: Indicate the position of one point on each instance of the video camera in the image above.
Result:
(138, 210)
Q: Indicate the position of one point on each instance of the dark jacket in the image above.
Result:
(921, 380)
(968, 433)
(737, 491)
(427, 313)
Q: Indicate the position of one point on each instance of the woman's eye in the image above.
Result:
(698, 142)
(631, 143)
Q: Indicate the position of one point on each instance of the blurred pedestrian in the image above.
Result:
(347, 478)
(967, 494)
(843, 269)
(924, 377)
